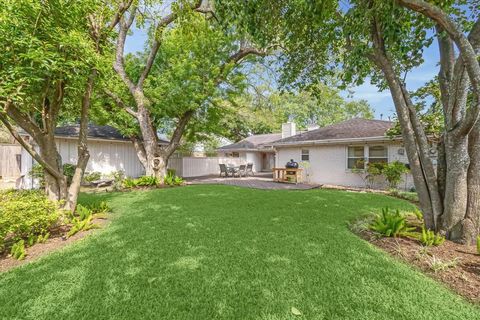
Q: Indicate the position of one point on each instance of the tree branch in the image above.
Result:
(27, 146)
(178, 133)
(120, 103)
(164, 22)
(23, 121)
(119, 65)
(463, 44)
(123, 7)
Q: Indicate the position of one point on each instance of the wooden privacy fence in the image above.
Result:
(10, 160)
(196, 166)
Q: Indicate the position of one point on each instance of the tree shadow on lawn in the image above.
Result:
(209, 252)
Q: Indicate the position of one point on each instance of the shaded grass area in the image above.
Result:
(220, 252)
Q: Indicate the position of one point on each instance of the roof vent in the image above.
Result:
(288, 129)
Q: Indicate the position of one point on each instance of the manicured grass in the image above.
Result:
(219, 252)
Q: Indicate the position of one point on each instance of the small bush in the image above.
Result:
(69, 171)
(437, 264)
(146, 181)
(37, 172)
(92, 176)
(99, 207)
(390, 224)
(129, 183)
(478, 244)
(429, 238)
(81, 225)
(82, 221)
(24, 214)
(172, 180)
(393, 173)
(118, 177)
(18, 250)
(143, 181)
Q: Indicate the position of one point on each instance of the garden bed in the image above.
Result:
(455, 265)
(56, 241)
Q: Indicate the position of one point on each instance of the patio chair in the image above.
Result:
(242, 171)
(224, 170)
(249, 170)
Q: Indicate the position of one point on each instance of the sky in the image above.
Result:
(381, 102)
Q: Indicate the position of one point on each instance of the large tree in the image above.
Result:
(384, 40)
(263, 110)
(187, 60)
(53, 53)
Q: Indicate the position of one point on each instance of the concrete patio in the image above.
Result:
(261, 180)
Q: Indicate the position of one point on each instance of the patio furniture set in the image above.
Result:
(230, 170)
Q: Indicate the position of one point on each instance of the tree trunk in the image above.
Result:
(431, 208)
(471, 223)
(82, 147)
(55, 187)
(455, 198)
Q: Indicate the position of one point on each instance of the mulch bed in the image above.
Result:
(455, 265)
(56, 241)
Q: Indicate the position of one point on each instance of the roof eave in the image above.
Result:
(336, 141)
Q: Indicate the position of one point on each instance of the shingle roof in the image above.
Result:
(253, 142)
(350, 129)
(94, 131)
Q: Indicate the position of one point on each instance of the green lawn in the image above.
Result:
(219, 252)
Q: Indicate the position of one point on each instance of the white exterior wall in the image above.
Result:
(105, 157)
(256, 159)
(247, 157)
(328, 164)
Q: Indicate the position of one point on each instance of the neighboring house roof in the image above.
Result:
(94, 132)
(253, 142)
(349, 130)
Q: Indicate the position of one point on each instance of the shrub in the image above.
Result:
(37, 172)
(92, 176)
(437, 264)
(390, 224)
(374, 170)
(147, 181)
(69, 171)
(129, 183)
(143, 181)
(84, 216)
(393, 173)
(478, 244)
(24, 214)
(429, 238)
(18, 250)
(172, 180)
(99, 207)
(118, 177)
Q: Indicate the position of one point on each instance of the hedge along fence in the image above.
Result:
(26, 215)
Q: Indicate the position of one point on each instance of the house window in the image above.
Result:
(235, 155)
(356, 157)
(377, 154)
(305, 155)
